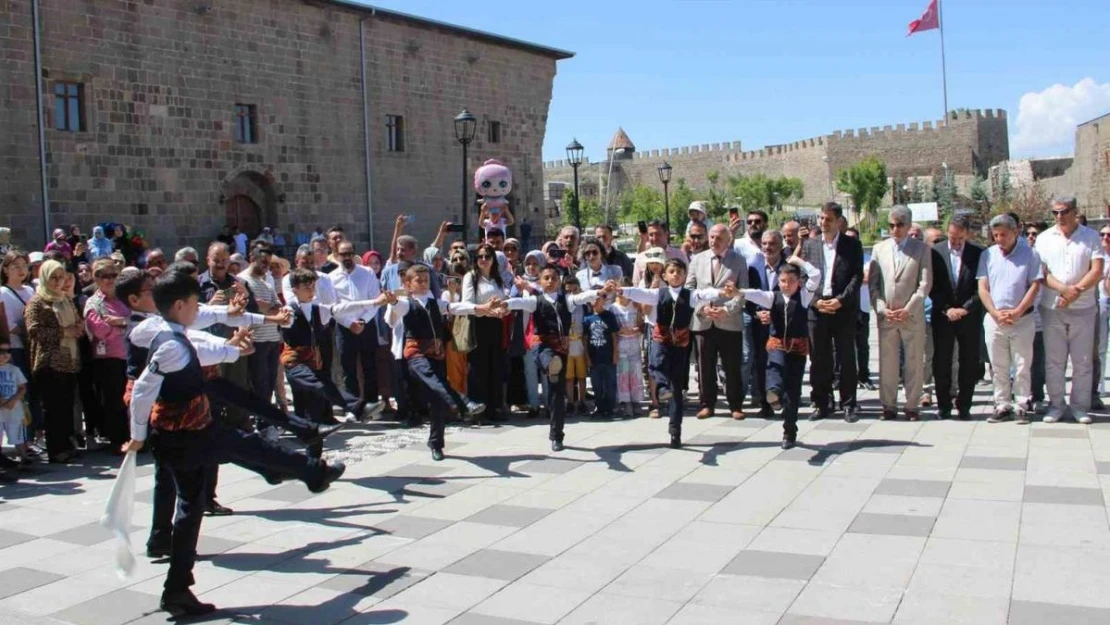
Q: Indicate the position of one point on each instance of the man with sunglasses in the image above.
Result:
(697, 239)
(358, 338)
(613, 256)
(750, 246)
(1073, 261)
(900, 277)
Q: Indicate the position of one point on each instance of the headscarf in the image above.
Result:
(99, 245)
(371, 254)
(62, 306)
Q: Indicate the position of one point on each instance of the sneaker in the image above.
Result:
(1054, 415)
(665, 395)
(474, 408)
(1081, 417)
(1021, 417)
(1001, 413)
(774, 400)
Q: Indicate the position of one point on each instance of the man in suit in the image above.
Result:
(719, 327)
(956, 317)
(764, 275)
(832, 313)
(900, 277)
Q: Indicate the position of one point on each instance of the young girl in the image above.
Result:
(630, 381)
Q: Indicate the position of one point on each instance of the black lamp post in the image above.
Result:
(465, 126)
(665, 178)
(574, 157)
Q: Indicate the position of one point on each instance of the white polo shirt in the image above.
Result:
(1068, 259)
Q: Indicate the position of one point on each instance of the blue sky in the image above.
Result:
(765, 72)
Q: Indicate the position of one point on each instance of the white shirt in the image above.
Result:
(13, 309)
(828, 250)
(395, 316)
(749, 249)
(650, 297)
(1068, 259)
(325, 290)
(574, 303)
(360, 284)
(955, 256)
(345, 313)
(484, 291)
(767, 298)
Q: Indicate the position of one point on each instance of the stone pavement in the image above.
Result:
(873, 522)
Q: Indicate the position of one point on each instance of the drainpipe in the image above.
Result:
(41, 123)
(366, 128)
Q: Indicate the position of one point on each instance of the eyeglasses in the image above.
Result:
(484, 257)
(696, 237)
(1031, 233)
(589, 253)
(753, 222)
(896, 225)
(1104, 234)
(346, 254)
(5, 350)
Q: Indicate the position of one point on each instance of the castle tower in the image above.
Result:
(620, 147)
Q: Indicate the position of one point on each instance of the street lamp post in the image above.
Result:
(465, 126)
(574, 157)
(665, 178)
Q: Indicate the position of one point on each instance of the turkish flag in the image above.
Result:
(929, 20)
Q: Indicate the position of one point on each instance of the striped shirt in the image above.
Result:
(263, 294)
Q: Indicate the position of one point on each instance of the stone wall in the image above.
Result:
(1091, 170)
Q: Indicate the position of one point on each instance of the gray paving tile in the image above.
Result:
(495, 564)
(548, 465)
(803, 454)
(9, 538)
(510, 516)
(914, 488)
(1068, 432)
(1037, 613)
(418, 470)
(470, 618)
(1063, 494)
(842, 426)
(88, 534)
(752, 423)
(801, 619)
(774, 564)
(715, 439)
(21, 579)
(289, 493)
(694, 492)
(416, 527)
(120, 606)
(1103, 468)
(433, 488)
(211, 545)
(891, 524)
(989, 462)
(374, 579)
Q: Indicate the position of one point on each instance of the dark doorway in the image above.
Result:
(242, 212)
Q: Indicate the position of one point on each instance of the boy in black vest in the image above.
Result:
(669, 349)
(788, 344)
(169, 395)
(551, 310)
(424, 348)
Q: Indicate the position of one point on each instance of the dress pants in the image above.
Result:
(556, 399)
(1037, 373)
(826, 333)
(264, 363)
(863, 346)
(229, 393)
(908, 336)
(431, 374)
(356, 349)
(727, 346)
(669, 366)
(784, 374)
(1010, 345)
(946, 337)
(111, 381)
(1103, 321)
(321, 392)
(237, 373)
(57, 391)
(487, 365)
(1068, 333)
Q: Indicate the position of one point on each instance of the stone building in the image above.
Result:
(968, 145)
(178, 116)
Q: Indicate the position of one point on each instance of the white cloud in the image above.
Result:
(1046, 120)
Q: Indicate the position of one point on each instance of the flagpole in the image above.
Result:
(943, 67)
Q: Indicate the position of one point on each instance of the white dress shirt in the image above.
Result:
(828, 250)
(359, 285)
(650, 297)
(749, 249)
(482, 292)
(395, 315)
(955, 258)
(809, 289)
(325, 291)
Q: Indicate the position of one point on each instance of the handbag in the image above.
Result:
(462, 331)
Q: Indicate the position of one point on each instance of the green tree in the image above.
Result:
(681, 196)
(759, 191)
(944, 190)
(917, 190)
(865, 182)
(592, 213)
(1005, 192)
(716, 196)
(979, 192)
(641, 203)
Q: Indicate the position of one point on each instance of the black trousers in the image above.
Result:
(487, 365)
(111, 381)
(1037, 374)
(90, 399)
(263, 365)
(319, 392)
(826, 333)
(556, 400)
(728, 346)
(966, 333)
(669, 366)
(57, 391)
(863, 346)
(784, 375)
(263, 409)
(187, 456)
(432, 376)
(359, 348)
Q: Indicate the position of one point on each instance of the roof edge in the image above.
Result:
(510, 42)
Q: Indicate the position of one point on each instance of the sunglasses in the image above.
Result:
(1104, 234)
(589, 253)
(752, 222)
(5, 350)
(346, 254)
(696, 237)
(484, 257)
(107, 276)
(1031, 233)
(1062, 211)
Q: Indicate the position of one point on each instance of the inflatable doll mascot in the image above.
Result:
(493, 181)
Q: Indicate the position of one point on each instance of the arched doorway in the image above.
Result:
(241, 212)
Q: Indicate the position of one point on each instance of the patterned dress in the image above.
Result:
(630, 380)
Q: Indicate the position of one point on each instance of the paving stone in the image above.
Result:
(470, 618)
(120, 606)
(988, 462)
(913, 488)
(511, 516)
(799, 619)
(1063, 495)
(803, 454)
(1037, 613)
(418, 470)
(774, 564)
(842, 426)
(21, 579)
(891, 524)
(9, 538)
(1103, 468)
(1080, 432)
(87, 535)
(210, 545)
(694, 492)
(506, 565)
(720, 440)
(416, 527)
(548, 465)
(375, 579)
(289, 493)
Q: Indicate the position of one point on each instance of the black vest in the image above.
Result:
(303, 333)
(671, 313)
(788, 318)
(424, 322)
(551, 319)
(179, 387)
(136, 356)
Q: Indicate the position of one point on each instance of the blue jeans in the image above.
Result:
(746, 361)
(603, 376)
(532, 377)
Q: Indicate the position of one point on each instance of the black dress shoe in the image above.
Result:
(676, 441)
(851, 414)
(817, 414)
(944, 413)
(320, 432)
(158, 551)
(437, 454)
(331, 473)
(556, 445)
(184, 603)
(273, 479)
(215, 509)
(788, 442)
(965, 416)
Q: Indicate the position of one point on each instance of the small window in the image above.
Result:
(246, 123)
(395, 133)
(69, 106)
(495, 132)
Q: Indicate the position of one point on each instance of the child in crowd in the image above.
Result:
(788, 344)
(630, 380)
(13, 386)
(577, 368)
(600, 328)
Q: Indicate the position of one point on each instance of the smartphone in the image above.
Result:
(84, 238)
(733, 213)
(455, 228)
(642, 225)
(410, 219)
(401, 292)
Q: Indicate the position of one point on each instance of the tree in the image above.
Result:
(592, 213)
(865, 183)
(641, 203)
(761, 192)
(917, 190)
(1005, 192)
(944, 190)
(716, 197)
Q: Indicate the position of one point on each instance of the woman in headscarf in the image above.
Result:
(99, 245)
(373, 261)
(53, 328)
(60, 244)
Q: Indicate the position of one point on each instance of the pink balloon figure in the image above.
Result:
(493, 181)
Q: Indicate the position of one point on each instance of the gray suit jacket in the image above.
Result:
(902, 286)
(699, 275)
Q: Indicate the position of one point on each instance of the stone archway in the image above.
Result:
(250, 201)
